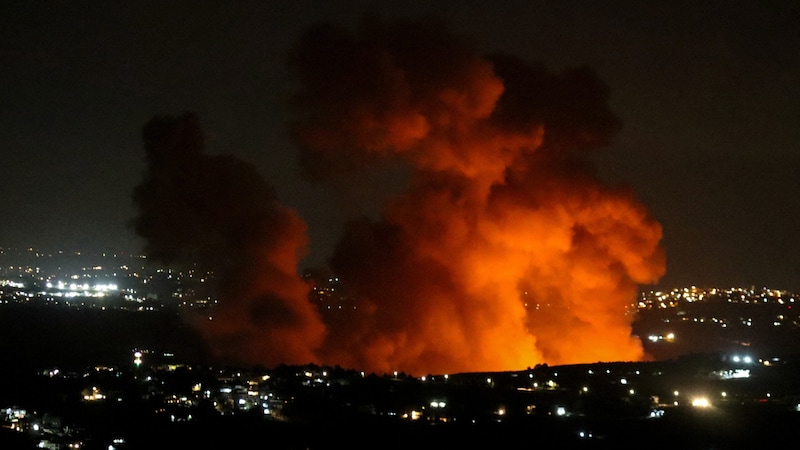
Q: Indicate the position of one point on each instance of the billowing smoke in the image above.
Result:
(218, 212)
(505, 249)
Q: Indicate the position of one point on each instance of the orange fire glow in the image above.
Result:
(504, 250)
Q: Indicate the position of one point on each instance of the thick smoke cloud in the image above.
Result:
(217, 211)
(505, 250)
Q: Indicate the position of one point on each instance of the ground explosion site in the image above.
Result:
(503, 249)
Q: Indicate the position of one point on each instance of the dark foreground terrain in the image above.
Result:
(677, 430)
(758, 412)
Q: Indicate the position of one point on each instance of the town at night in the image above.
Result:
(97, 354)
(376, 224)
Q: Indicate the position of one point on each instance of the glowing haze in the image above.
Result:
(504, 250)
(217, 211)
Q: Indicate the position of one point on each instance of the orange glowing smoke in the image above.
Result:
(505, 250)
(217, 211)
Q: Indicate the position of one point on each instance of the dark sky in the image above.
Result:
(708, 93)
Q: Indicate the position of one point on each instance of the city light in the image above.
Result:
(535, 394)
(94, 395)
(742, 359)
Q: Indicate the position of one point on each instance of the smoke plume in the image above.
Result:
(505, 250)
(217, 211)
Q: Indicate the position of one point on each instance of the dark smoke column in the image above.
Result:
(218, 212)
(505, 250)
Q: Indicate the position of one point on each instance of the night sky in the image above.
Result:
(708, 94)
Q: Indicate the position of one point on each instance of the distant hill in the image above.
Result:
(38, 337)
